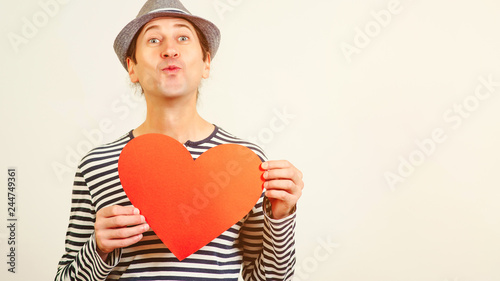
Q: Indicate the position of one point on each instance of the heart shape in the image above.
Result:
(189, 203)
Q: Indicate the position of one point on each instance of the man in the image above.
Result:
(168, 51)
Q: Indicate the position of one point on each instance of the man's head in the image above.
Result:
(169, 60)
(164, 8)
(126, 44)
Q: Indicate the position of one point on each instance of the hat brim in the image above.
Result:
(126, 35)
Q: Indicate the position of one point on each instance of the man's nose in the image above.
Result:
(170, 51)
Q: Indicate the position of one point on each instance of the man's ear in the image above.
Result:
(131, 71)
(206, 67)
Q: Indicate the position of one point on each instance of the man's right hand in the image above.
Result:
(118, 227)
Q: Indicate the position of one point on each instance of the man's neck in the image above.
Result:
(177, 119)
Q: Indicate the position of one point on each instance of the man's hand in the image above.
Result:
(118, 227)
(283, 184)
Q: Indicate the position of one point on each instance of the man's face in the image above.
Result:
(169, 59)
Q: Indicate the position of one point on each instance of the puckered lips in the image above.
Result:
(171, 69)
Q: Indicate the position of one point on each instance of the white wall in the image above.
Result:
(405, 94)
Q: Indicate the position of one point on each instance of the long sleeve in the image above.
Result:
(262, 245)
(268, 245)
(81, 261)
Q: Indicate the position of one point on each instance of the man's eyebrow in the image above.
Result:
(151, 27)
(183, 25)
(156, 26)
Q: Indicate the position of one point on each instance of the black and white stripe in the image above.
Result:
(264, 247)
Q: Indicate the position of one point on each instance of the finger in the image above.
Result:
(281, 195)
(123, 221)
(108, 245)
(119, 221)
(124, 232)
(110, 239)
(117, 210)
(286, 185)
(284, 164)
(276, 164)
(287, 173)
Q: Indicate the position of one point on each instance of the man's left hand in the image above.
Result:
(283, 184)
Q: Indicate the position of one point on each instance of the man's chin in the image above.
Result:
(176, 93)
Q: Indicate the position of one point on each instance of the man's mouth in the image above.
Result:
(171, 69)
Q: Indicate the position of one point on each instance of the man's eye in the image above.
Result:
(154, 40)
(183, 38)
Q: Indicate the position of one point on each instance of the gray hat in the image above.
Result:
(163, 8)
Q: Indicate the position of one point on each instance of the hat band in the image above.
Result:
(168, 10)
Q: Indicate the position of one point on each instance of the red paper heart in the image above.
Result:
(189, 203)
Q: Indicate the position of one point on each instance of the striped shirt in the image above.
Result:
(258, 247)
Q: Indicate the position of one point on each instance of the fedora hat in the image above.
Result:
(163, 8)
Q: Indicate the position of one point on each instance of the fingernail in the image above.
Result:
(146, 226)
(265, 175)
(264, 165)
(136, 211)
(266, 184)
(143, 219)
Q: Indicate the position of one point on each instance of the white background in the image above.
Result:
(351, 119)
